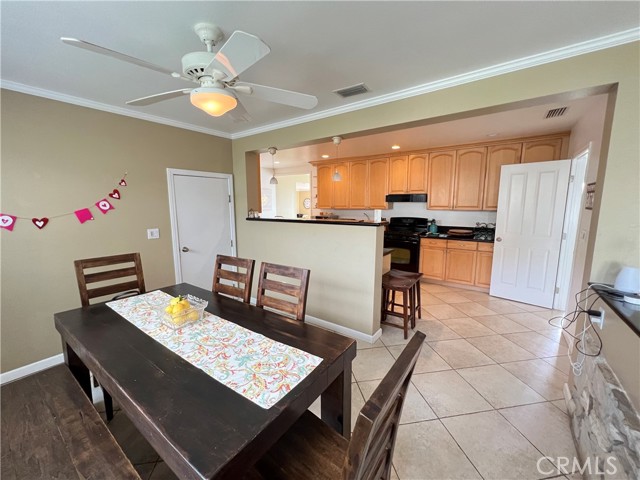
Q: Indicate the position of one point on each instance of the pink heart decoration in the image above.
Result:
(40, 222)
(115, 194)
(123, 183)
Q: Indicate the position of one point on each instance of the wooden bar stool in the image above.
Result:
(407, 284)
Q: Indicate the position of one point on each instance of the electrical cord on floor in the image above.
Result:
(572, 317)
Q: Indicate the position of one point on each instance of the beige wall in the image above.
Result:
(617, 238)
(57, 158)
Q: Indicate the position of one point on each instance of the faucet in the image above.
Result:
(365, 214)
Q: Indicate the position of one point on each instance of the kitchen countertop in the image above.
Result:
(387, 251)
(452, 237)
(329, 221)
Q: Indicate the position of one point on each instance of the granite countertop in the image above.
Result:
(628, 312)
(330, 221)
(443, 236)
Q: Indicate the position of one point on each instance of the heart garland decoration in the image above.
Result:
(115, 194)
(40, 222)
(123, 183)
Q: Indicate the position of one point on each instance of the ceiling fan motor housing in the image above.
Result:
(194, 63)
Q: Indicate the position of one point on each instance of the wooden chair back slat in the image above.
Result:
(219, 274)
(298, 304)
(371, 447)
(123, 266)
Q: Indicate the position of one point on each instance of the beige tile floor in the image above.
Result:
(485, 400)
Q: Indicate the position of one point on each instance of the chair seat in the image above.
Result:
(322, 449)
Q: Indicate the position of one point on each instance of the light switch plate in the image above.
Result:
(153, 233)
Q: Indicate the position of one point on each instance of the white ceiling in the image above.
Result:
(397, 49)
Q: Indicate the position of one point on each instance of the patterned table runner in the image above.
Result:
(258, 368)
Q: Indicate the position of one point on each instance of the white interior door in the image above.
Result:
(529, 222)
(202, 223)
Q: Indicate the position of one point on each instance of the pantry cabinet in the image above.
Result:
(497, 156)
(468, 182)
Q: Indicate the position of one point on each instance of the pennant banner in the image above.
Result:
(7, 221)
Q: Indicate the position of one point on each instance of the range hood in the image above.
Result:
(406, 197)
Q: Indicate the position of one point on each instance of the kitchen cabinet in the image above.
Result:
(398, 166)
(440, 186)
(433, 258)
(333, 194)
(484, 261)
(468, 181)
(542, 150)
(461, 262)
(407, 173)
(497, 156)
(359, 179)
(378, 172)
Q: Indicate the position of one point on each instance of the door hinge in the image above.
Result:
(232, 243)
(557, 289)
(229, 198)
(564, 236)
(571, 178)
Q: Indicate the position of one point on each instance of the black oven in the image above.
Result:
(405, 254)
(403, 236)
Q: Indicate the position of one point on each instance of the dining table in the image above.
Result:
(200, 427)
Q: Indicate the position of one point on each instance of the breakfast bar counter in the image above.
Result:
(322, 221)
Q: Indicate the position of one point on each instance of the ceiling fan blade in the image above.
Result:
(278, 95)
(159, 97)
(239, 114)
(121, 56)
(239, 52)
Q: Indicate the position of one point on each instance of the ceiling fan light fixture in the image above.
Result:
(213, 101)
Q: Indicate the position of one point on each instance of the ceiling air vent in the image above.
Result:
(556, 112)
(352, 90)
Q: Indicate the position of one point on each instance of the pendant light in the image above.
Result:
(274, 180)
(336, 175)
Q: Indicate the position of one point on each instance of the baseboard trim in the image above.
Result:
(349, 332)
(30, 369)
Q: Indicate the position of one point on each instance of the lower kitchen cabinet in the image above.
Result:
(461, 262)
(457, 261)
(484, 261)
(433, 255)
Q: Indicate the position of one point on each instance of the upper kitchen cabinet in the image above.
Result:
(497, 156)
(440, 177)
(407, 173)
(378, 181)
(359, 177)
(468, 181)
(333, 194)
(544, 150)
(398, 167)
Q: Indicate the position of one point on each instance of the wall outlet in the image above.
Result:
(598, 320)
(153, 233)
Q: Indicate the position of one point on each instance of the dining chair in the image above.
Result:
(105, 276)
(290, 298)
(228, 275)
(311, 449)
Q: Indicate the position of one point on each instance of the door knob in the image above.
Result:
(185, 249)
(499, 239)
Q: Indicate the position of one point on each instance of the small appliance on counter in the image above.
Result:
(628, 282)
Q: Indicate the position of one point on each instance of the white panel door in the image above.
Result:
(529, 222)
(202, 223)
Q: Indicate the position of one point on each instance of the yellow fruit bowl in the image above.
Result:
(183, 311)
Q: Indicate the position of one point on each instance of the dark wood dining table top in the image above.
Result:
(201, 428)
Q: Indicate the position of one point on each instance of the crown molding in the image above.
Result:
(82, 102)
(601, 43)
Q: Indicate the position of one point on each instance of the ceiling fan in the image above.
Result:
(217, 74)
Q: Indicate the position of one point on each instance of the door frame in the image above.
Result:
(171, 174)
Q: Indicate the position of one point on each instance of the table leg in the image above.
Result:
(78, 369)
(335, 403)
